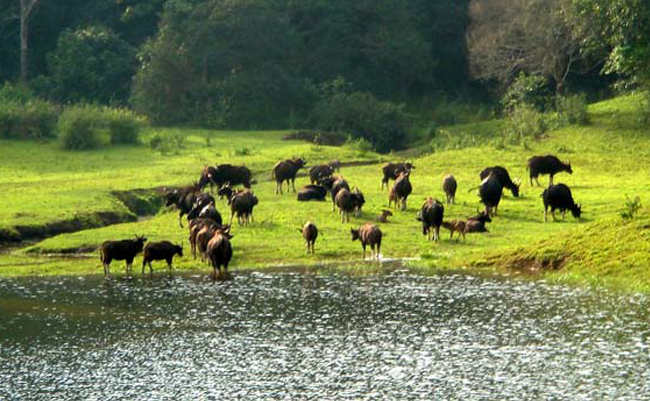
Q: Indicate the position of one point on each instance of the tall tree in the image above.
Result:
(506, 37)
(26, 9)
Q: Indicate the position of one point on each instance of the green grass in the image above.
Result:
(607, 157)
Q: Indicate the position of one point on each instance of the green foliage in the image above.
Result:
(27, 119)
(383, 124)
(630, 208)
(572, 109)
(359, 145)
(85, 126)
(18, 92)
(90, 64)
(526, 89)
(525, 123)
(79, 127)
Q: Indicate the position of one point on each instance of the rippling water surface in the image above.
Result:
(297, 336)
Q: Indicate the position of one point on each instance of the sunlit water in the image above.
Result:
(294, 336)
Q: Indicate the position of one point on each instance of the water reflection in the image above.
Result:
(306, 336)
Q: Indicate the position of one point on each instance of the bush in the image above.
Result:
(33, 119)
(87, 126)
(19, 93)
(572, 109)
(630, 208)
(383, 124)
(524, 122)
(526, 89)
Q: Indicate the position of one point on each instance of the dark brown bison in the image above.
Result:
(312, 192)
(195, 226)
(559, 197)
(242, 204)
(400, 191)
(125, 249)
(163, 250)
(449, 186)
(219, 252)
(286, 170)
(226, 173)
(431, 215)
(183, 198)
(392, 170)
(502, 175)
(368, 234)
(549, 164)
(334, 185)
(349, 202)
(309, 233)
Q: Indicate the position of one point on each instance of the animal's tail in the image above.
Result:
(473, 188)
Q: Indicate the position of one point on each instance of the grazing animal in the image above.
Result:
(335, 164)
(163, 250)
(334, 185)
(490, 192)
(392, 170)
(204, 236)
(502, 175)
(195, 227)
(431, 215)
(449, 185)
(219, 252)
(349, 202)
(459, 226)
(183, 198)
(226, 173)
(476, 224)
(549, 164)
(125, 249)
(312, 192)
(210, 212)
(368, 234)
(559, 197)
(400, 191)
(383, 216)
(309, 233)
(242, 204)
(200, 202)
(321, 171)
(286, 170)
(225, 191)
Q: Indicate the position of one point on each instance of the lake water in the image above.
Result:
(302, 336)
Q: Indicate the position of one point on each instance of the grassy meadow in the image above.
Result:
(609, 158)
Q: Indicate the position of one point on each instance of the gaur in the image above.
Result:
(549, 164)
(502, 175)
(368, 234)
(120, 250)
(449, 186)
(163, 250)
(312, 192)
(349, 202)
(431, 215)
(392, 170)
(219, 252)
(400, 191)
(286, 170)
(309, 233)
(559, 197)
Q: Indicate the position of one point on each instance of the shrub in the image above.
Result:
(88, 126)
(79, 127)
(630, 208)
(123, 125)
(526, 89)
(383, 124)
(15, 93)
(524, 122)
(361, 145)
(572, 109)
(33, 119)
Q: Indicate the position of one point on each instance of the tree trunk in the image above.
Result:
(26, 7)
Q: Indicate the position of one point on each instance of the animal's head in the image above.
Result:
(355, 234)
(139, 241)
(385, 212)
(568, 168)
(300, 162)
(327, 182)
(178, 249)
(515, 189)
(576, 211)
(225, 191)
(335, 165)
(171, 197)
(409, 166)
(360, 200)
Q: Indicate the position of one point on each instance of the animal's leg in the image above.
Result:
(293, 184)
(537, 181)
(180, 221)
(550, 180)
(463, 232)
(231, 216)
(437, 234)
(378, 249)
(564, 211)
(144, 263)
(553, 214)
(169, 265)
(451, 234)
(545, 213)
(364, 249)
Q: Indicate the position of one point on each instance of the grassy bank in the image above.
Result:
(608, 156)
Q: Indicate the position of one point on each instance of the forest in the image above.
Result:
(378, 70)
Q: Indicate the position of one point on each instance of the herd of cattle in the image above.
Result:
(210, 237)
